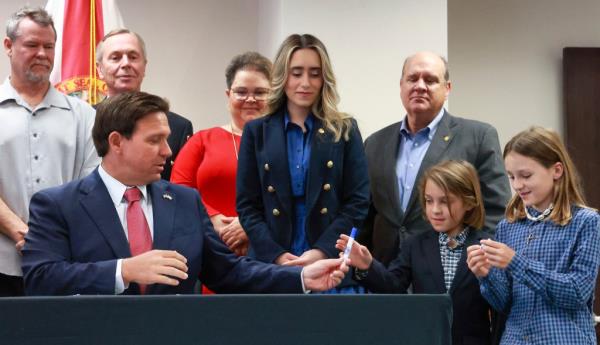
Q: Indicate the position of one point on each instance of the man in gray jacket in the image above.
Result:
(399, 154)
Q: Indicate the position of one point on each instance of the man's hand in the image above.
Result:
(477, 262)
(234, 236)
(307, 258)
(359, 255)
(284, 258)
(12, 226)
(155, 267)
(21, 236)
(324, 274)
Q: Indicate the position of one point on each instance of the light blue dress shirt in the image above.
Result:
(411, 152)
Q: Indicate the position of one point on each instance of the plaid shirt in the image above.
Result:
(451, 256)
(547, 289)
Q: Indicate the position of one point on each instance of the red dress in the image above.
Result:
(208, 162)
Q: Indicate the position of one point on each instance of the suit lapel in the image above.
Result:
(97, 203)
(439, 143)
(431, 246)
(390, 155)
(320, 151)
(276, 156)
(462, 270)
(163, 209)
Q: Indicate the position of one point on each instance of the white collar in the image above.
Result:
(116, 189)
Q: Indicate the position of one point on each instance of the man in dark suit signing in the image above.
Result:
(123, 230)
(121, 61)
(398, 154)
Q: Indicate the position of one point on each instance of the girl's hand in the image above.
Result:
(497, 254)
(477, 262)
(360, 256)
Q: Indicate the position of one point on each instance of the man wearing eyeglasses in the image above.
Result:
(121, 61)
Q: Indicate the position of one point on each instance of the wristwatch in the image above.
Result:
(360, 274)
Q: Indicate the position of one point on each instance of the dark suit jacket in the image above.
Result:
(181, 131)
(419, 264)
(387, 225)
(337, 192)
(75, 238)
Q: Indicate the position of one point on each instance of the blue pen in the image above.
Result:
(349, 245)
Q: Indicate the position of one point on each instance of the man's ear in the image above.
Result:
(100, 71)
(8, 46)
(115, 141)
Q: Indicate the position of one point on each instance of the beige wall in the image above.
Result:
(506, 58)
(367, 42)
(190, 43)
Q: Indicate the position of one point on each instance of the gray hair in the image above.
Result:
(444, 61)
(115, 32)
(36, 14)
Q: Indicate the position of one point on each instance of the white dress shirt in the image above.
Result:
(116, 190)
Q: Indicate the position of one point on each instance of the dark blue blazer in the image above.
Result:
(75, 238)
(419, 265)
(337, 192)
(181, 131)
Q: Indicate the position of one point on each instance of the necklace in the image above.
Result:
(235, 149)
(541, 216)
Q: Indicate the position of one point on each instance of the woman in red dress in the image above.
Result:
(208, 161)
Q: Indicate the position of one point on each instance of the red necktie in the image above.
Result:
(138, 231)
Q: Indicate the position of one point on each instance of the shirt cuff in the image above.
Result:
(517, 265)
(119, 283)
(304, 290)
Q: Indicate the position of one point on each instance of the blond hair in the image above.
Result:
(325, 106)
(545, 147)
(458, 178)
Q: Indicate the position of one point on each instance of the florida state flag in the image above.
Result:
(80, 25)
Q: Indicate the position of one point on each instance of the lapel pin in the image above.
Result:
(446, 138)
(167, 196)
(321, 131)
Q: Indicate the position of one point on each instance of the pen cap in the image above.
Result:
(353, 233)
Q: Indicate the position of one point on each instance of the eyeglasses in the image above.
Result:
(243, 94)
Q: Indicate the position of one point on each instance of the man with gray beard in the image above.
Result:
(45, 139)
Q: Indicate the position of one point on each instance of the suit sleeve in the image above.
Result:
(395, 279)
(494, 183)
(250, 204)
(224, 272)
(187, 133)
(47, 265)
(365, 235)
(354, 204)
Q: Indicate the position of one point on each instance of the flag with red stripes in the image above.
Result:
(80, 25)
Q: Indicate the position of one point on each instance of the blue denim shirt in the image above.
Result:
(298, 153)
